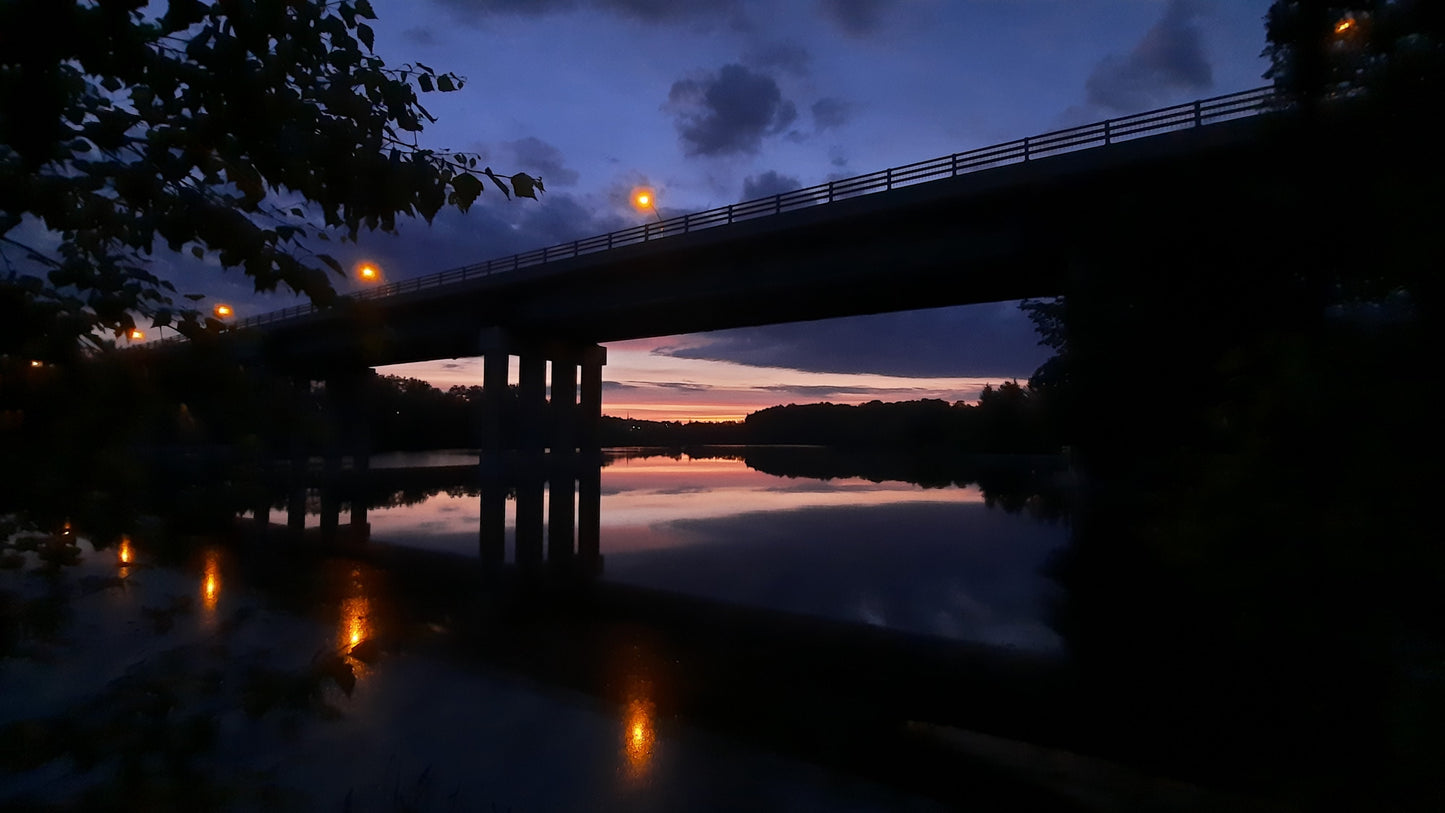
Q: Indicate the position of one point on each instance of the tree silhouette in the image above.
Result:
(234, 130)
(1391, 52)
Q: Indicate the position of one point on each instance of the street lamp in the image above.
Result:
(644, 199)
(223, 311)
(368, 272)
(136, 334)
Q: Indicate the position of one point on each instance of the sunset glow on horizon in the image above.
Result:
(642, 382)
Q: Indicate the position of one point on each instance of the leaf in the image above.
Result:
(445, 83)
(465, 189)
(498, 182)
(331, 262)
(198, 252)
(367, 37)
(522, 184)
(364, 10)
(424, 81)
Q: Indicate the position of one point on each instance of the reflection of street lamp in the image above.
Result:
(645, 199)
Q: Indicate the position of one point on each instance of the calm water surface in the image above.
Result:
(933, 561)
(435, 721)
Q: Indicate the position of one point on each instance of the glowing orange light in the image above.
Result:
(37, 364)
(643, 198)
(368, 272)
(125, 554)
(211, 586)
(640, 735)
(1344, 25)
(222, 310)
(136, 334)
(355, 620)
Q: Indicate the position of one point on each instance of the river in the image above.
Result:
(396, 672)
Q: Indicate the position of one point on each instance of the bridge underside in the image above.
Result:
(1005, 234)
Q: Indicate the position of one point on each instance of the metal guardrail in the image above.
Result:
(1110, 131)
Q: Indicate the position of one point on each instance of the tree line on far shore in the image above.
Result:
(411, 414)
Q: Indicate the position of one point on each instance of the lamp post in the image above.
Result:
(644, 199)
(368, 272)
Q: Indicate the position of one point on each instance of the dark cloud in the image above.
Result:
(857, 18)
(536, 157)
(420, 36)
(994, 340)
(1170, 58)
(789, 57)
(494, 228)
(768, 184)
(729, 111)
(654, 12)
(829, 112)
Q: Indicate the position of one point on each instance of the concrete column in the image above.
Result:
(590, 417)
(560, 510)
(361, 396)
(532, 392)
(296, 508)
(330, 508)
(360, 528)
(564, 405)
(261, 511)
(494, 389)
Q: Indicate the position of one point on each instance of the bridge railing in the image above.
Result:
(1089, 136)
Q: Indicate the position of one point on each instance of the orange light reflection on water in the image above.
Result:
(355, 621)
(211, 580)
(639, 736)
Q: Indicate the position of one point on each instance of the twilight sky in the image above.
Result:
(711, 102)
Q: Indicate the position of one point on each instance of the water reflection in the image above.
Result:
(210, 580)
(935, 555)
(639, 736)
(354, 620)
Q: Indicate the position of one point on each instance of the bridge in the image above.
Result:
(978, 226)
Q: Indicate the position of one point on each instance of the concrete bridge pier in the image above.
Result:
(568, 422)
(564, 403)
(589, 419)
(347, 414)
(532, 401)
(494, 392)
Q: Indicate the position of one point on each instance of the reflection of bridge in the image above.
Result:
(831, 691)
(978, 226)
(570, 514)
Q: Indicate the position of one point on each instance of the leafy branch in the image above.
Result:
(202, 128)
